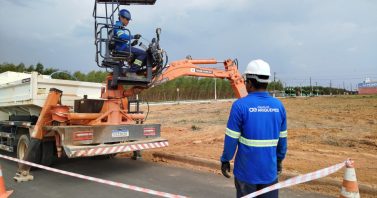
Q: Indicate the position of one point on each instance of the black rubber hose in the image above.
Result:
(147, 111)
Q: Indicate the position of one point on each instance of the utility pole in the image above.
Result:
(215, 90)
(311, 91)
(316, 87)
(351, 87)
(178, 95)
(274, 84)
(330, 89)
(344, 88)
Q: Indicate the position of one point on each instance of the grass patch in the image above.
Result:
(198, 121)
(180, 122)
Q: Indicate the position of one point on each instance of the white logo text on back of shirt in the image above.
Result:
(263, 109)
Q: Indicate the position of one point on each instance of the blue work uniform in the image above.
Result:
(140, 55)
(257, 125)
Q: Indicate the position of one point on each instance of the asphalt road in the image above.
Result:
(139, 173)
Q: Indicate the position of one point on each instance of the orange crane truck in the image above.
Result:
(108, 125)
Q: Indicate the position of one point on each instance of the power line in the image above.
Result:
(330, 75)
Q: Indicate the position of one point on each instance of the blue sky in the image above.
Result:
(325, 40)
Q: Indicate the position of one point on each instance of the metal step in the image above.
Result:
(16, 123)
(6, 148)
(7, 135)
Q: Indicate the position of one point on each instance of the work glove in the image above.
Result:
(225, 169)
(279, 167)
(137, 36)
(135, 42)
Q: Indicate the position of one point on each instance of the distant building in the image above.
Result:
(367, 87)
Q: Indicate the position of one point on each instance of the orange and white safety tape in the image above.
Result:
(300, 179)
(94, 179)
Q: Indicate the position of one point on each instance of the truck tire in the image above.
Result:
(22, 147)
(48, 153)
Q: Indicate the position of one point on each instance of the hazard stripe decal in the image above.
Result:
(117, 149)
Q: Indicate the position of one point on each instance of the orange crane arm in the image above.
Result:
(190, 68)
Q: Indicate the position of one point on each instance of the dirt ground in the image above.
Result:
(322, 131)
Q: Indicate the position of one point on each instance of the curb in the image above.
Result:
(213, 164)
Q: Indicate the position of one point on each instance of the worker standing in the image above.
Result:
(123, 41)
(257, 125)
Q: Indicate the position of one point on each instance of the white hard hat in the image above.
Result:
(257, 67)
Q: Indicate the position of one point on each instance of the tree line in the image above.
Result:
(184, 88)
(93, 76)
(315, 90)
(189, 88)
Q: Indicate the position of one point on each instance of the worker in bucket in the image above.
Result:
(124, 45)
(257, 126)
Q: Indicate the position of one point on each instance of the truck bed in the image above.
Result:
(25, 94)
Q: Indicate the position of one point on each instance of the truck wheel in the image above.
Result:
(48, 153)
(22, 147)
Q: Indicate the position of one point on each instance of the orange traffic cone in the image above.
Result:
(3, 192)
(350, 188)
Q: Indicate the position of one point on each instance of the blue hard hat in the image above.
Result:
(125, 14)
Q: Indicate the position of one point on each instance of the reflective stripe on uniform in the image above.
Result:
(232, 134)
(120, 32)
(283, 134)
(138, 62)
(259, 143)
